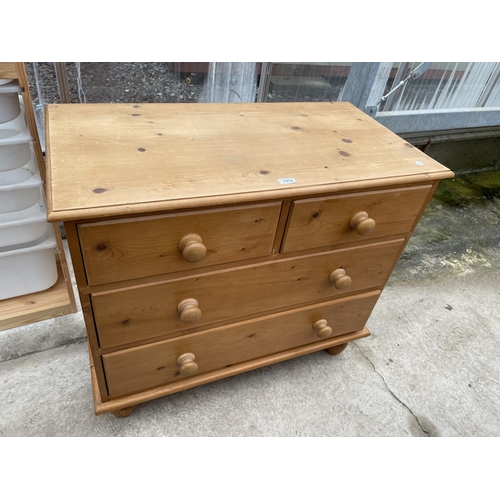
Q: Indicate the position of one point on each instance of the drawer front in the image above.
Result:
(324, 222)
(146, 367)
(146, 246)
(145, 312)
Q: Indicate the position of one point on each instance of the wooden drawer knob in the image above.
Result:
(322, 329)
(362, 223)
(188, 309)
(187, 363)
(192, 248)
(340, 279)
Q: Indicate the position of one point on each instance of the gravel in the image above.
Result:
(114, 82)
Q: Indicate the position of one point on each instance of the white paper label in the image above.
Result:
(289, 180)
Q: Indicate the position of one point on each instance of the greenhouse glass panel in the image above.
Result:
(300, 81)
(444, 85)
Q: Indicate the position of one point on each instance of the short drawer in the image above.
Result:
(322, 222)
(147, 246)
(146, 367)
(177, 307)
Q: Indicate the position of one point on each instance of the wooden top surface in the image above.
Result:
(114, 159)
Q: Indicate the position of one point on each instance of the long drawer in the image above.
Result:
(353, 218)
(145, 312)
(146, 246)
(146, 367)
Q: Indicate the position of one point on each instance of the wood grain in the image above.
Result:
(110, 159)
(143, 368)
(145, 312)
(8, 70)
(38, 306)
(112, 162)
(220, 267)
(145, 246)
(105, 407)
(326, 221)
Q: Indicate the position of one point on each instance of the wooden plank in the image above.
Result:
(145, 312)
(142, 368)
(8, 70)
(166, 390)
(62, 82)
(109, 159)
(33, 307)
(113, 251)
(326, 221)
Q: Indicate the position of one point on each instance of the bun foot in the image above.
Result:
(124, 412)
(337, 349)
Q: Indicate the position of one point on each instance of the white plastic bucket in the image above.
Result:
(15, 126)
(25, 226)
(19, 188)
(9, 107)
(28, 269)
(15, 149)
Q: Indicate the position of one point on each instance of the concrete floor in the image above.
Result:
(430, 367)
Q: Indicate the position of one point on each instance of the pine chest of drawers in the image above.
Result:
(211, 239)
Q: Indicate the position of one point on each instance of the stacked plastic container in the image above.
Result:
(27, 243)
